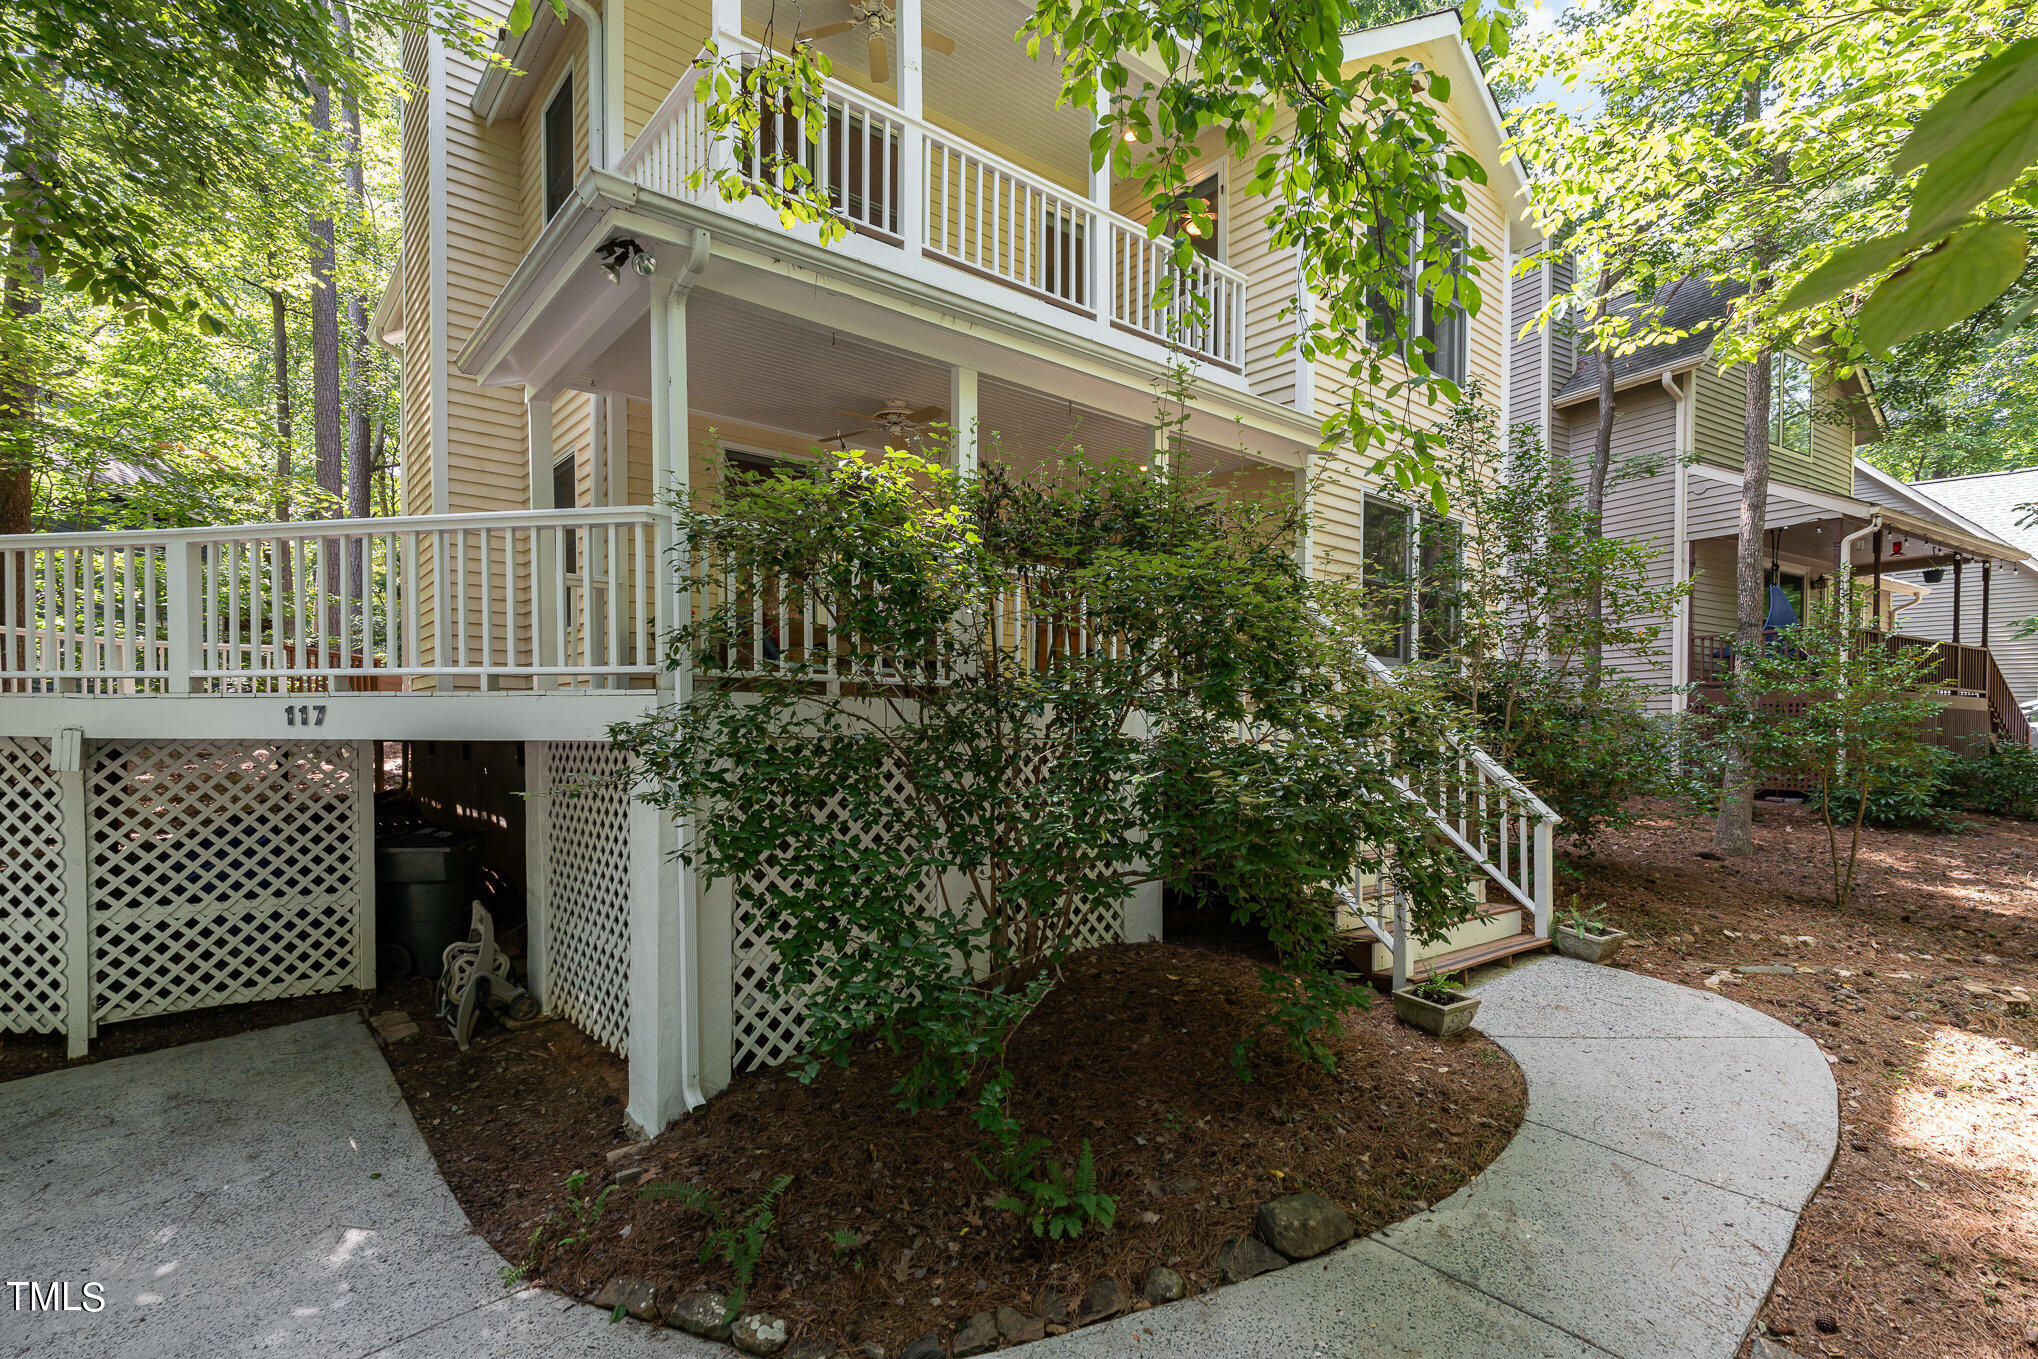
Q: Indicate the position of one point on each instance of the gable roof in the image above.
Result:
(1693, 305)
(1990, 500)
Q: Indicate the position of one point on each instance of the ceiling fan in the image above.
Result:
(895, 419)
(877, 16)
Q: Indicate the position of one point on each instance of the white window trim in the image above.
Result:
(573, 138)
(1418, 312)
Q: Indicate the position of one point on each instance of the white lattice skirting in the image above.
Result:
(587, 875)
(770, 1027)
(165, 876)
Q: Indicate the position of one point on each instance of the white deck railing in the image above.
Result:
(553, 598)
(1504, 831)
(960, 205)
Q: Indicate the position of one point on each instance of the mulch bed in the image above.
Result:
(35, 1053)
(1131, 1052)
(1923, 1243)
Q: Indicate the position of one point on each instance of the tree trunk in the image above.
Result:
(1734, 833)
(326, 415)
(1596, 478)
(360, 431)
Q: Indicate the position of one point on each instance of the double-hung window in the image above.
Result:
(1384, 548)
(1401, 312)
(559, 148)
(1790, 403)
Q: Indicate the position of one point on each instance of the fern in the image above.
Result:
(739, 1240)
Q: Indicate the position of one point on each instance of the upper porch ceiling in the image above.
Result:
(751, 367)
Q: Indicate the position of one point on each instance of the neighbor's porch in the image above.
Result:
(1802, 568)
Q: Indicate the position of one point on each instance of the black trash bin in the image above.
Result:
(424, 889)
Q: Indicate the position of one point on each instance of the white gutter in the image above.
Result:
(1874, 526)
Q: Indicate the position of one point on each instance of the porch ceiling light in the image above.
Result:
(622, 253)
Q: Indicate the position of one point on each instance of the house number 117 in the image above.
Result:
(304, 714)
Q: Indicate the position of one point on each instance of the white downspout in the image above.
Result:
(597, 84)
(1680, 549)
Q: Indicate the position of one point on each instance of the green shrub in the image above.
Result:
(2000, 781)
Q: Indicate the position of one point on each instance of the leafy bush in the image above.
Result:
(1034, 695)
(1918, 801)
(1848, 711)
(2002, 780)
(1523, 628)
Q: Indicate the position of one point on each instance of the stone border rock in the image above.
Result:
(1287, 1230)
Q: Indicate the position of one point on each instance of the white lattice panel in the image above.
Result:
(222, 873)
(34, 944)
(587, 932)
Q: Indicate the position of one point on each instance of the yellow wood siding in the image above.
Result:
(573, 57)
(660, 40)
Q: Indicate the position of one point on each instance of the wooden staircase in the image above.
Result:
(1498, 930)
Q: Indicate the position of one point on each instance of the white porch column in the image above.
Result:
(545, 546)
(912, 145)
(1303, 508)
(537, 867)
(67, 762)
(1097, 249)
(664, 1039)
(962, 418)
(665, 957)
(728, 17)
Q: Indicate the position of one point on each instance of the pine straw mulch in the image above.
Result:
(1923, 1243)
(1131, 1051)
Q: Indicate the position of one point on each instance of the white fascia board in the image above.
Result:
(1925, 504)
(606, 204)
(469, 715)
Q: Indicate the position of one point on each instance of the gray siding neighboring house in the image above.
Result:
(1986, 503)
(1677, 458)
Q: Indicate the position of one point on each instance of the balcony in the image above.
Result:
(911, 190)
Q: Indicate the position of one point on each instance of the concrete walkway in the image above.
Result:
(261, 1194)
(269, 1194)
(1672, 1138)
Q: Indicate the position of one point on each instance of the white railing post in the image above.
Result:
(1545, 883)
(545, 545)
(182, 614)
(1401, 945)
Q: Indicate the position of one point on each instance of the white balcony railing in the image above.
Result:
(963, 207)
(546, 598)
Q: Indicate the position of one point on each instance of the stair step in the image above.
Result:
(1464, 959)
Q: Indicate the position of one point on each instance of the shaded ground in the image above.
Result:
(1924, 1241)
(34, 1053)
(1131, 1053)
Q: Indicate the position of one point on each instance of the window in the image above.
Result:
(1790, 403)
(566, 496)
(1195, 216)
(1439, 557)
(1400, 308)
(559, 148)
(1445, 326)
(1384, 561)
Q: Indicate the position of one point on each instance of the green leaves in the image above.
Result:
(1976, 141)
(1946, 284)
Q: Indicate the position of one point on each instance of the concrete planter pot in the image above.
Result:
(1587, 946)
(1440, 1018)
